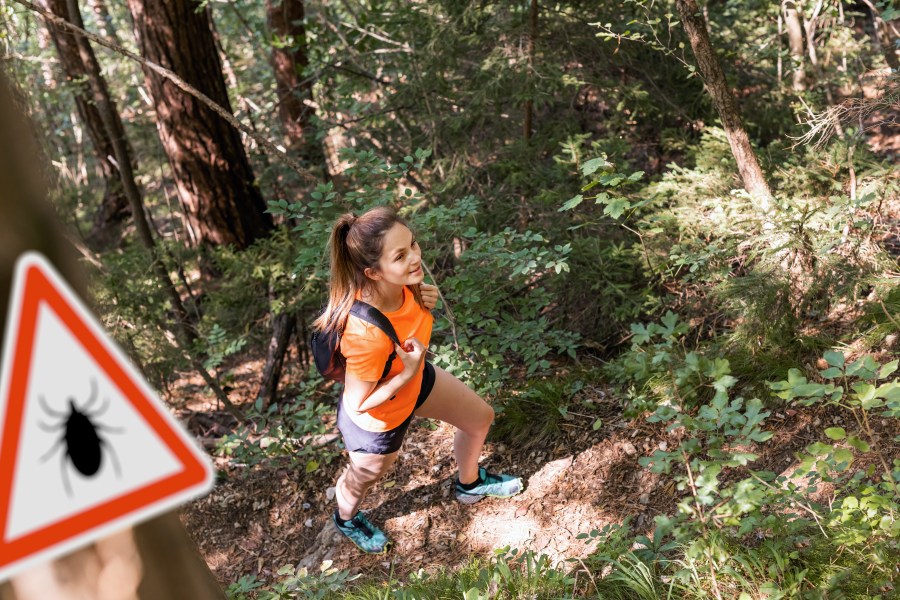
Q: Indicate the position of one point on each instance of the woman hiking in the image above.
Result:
(375, 258)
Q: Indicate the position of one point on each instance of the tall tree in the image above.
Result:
(723, 99)
(211, 169)
(795, 43)
(289, 58)
(77, 67)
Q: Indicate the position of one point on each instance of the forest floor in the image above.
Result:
(261, 518)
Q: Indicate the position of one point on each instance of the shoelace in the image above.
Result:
(360, 524)
(492, 478)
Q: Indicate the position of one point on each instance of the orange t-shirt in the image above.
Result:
(367, 349)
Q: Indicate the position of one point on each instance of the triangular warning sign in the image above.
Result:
(86, 447)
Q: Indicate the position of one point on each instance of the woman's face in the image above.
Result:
(401, 259)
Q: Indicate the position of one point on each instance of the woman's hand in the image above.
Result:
(412, 353)
(429, 295)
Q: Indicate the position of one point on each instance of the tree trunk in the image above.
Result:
(209, 164)
(289, 59)
(810, 25)
(159, 551)
(282, 329)
(795, 41)
(883, 37)
(114, 208)
(723, 99)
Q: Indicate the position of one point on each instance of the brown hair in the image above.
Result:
(356, 244)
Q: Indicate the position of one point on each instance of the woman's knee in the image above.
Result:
(489, 414)
(369, 468)
(480, 420)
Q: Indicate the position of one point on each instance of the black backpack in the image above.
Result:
(326, 345)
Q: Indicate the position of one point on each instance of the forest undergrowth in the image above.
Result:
(685, 315)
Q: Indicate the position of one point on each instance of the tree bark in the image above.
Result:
(158, 552)
(210, 167)
(282, 329)
(795, 41)
(723, 99)
(289, 58)
(114, 208)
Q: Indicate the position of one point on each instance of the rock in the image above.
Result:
(628, 448)
(308, 523)
(323, 548)
(644, 499)
(663, 445)
(329, 493)
(890, 340)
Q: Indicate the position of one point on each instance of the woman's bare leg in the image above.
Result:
(356, 480)
(453, 402)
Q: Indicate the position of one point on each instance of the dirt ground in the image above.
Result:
(258, 519)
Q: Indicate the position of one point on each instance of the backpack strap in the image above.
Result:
(370, 314)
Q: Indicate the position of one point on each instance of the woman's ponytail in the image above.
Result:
(342, 288)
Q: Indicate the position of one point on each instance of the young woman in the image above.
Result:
(375, 258)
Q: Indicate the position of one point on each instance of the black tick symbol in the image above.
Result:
(81, 439)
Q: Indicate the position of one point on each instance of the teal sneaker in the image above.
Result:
(366, 536)
(492, 484)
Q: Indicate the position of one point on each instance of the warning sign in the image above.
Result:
(86, 447)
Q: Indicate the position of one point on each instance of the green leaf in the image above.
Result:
(635, 176)
(843, 455)
(616, 207)
(836, 433)
(593, 165)
(889, 391)
(831, 373)
(795, 377)
(312, 466)
(887, 369)
(571, 203)
(597, 424)
(819, 449)
(809, 389)
(835, 359)
(858, 443)
(871, 403)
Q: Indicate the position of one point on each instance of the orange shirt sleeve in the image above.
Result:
(366, 349)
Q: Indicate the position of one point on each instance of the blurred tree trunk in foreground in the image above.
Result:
(723, 99)
(156, 560)
(209, 164)
(114, 207)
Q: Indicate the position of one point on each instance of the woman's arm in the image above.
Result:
(366, 395)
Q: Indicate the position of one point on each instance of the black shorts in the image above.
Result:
(357, 439)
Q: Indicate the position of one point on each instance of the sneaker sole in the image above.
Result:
(372, 552)
(473, 498)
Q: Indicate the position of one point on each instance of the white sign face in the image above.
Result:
(86, 447)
